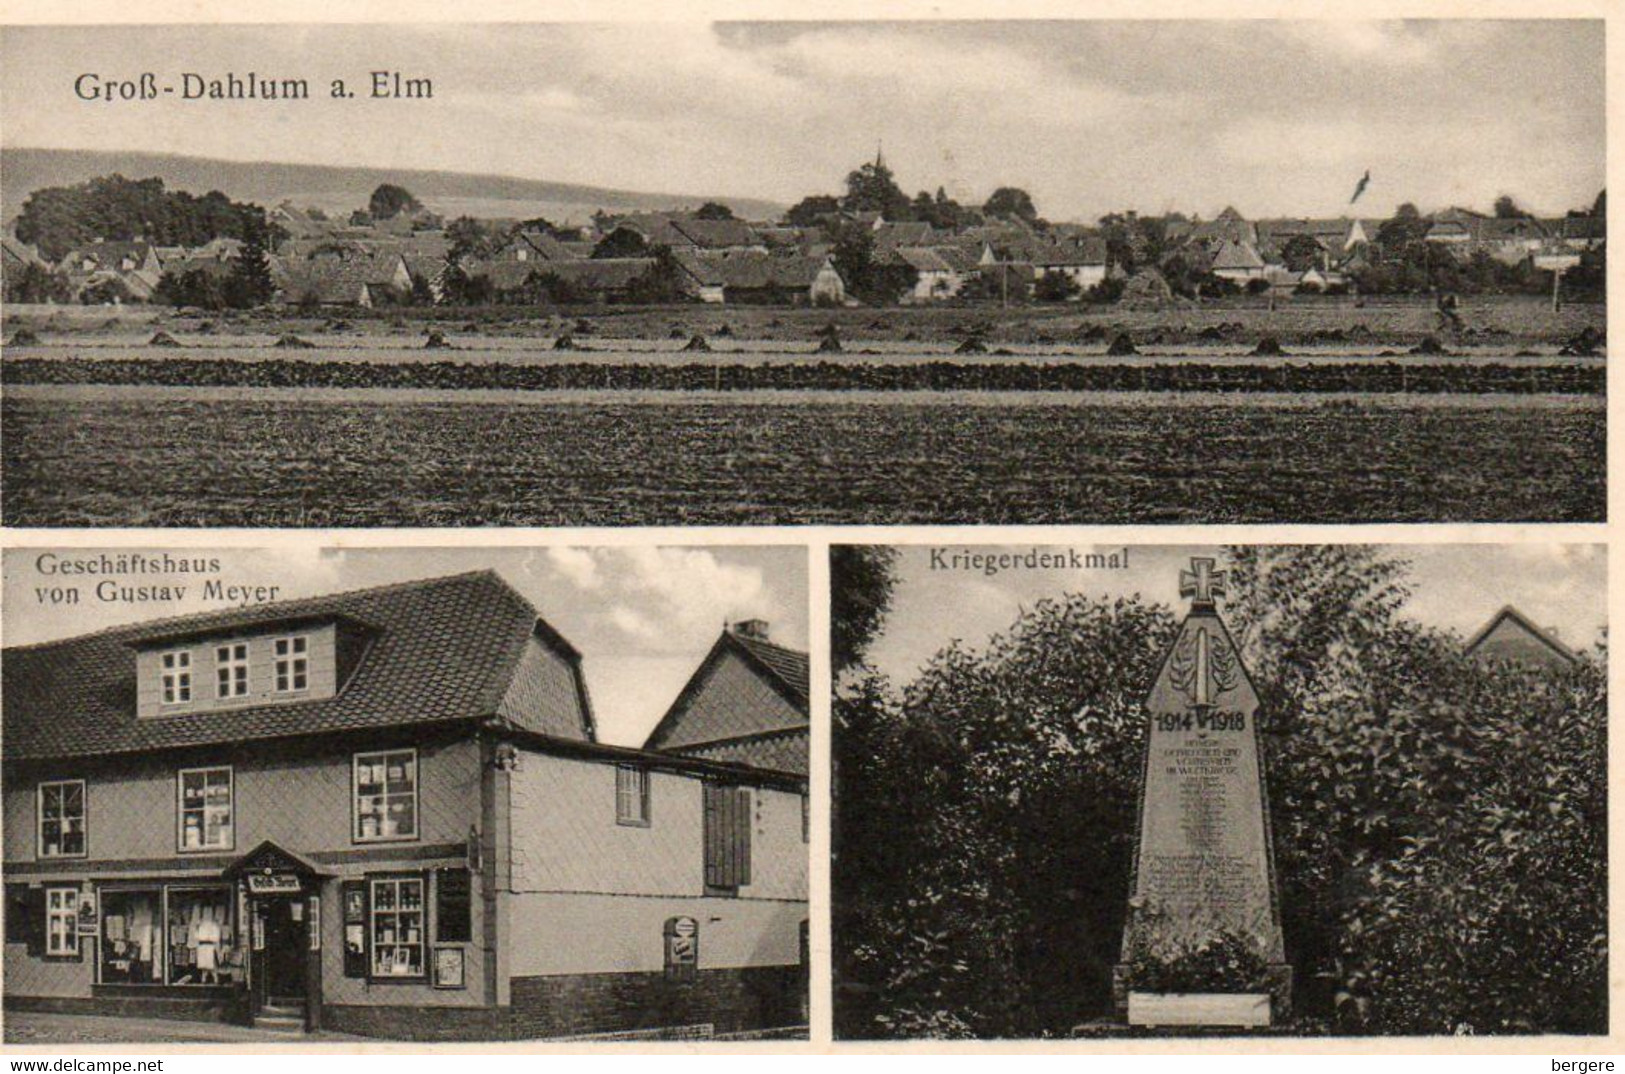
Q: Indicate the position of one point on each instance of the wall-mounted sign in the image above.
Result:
(682, 943)
(448, 967)
(88, 918)
(274, 884)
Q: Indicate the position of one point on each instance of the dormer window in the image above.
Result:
(231, 670)
(292, 664)
(177, 677)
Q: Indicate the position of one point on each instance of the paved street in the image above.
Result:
(30, 1028)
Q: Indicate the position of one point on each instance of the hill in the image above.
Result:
(338, 190)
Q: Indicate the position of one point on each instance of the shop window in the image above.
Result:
(205, 796)
(62, 819)
(231, 670)
(201, 945)
(132, 936)
(177, 677)
(292, 664)
(397, 927)
(386, 796)
(632, 796)
(62, 922)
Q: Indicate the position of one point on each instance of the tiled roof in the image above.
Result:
(716, 234)
(719, 704)
(789, 666)
(924, 259)
(338, 279)
(441, 649)
(1237, 255)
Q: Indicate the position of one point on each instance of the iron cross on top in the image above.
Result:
(1202, 584)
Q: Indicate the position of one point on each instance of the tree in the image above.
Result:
(1056, 287)
(872, 188)
(1405, 227)
(1302, 253)
(249, 282)
(659, 283)
(35, 282)
(1011, 201)
(867, 278)
(862, 580)
(713, 210)
(1506, 208)
(809, 210)
(389, 201)
(1600, 206)
(940, 211)
(622, 242)
(472, 239)
(60, 219)
(1439, 821)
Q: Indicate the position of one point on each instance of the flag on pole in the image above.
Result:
(1359, 188)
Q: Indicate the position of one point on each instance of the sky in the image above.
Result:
(1274, 117)
(643, 618)
(1454, 587)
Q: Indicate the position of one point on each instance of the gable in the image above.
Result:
(730, 697)
(1509, 636)
(547, 694)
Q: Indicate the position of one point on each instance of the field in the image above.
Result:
(362, 457)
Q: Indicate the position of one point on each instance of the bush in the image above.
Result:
(1439, 821)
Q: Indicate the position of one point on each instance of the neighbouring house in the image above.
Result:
(536, 247)
(133, 256)
(747, 702)
(1082, 260)
(783, 279)
(383, 812)
(936, 277)
(1238, 261)
(1510, 635)
(683, 232)
(347, 278)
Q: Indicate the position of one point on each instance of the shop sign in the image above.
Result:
(274, 884)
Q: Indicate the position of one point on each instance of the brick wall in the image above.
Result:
(730, 1000)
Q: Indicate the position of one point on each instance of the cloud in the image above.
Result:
(577, 565)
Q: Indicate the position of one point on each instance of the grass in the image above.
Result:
(176, 460)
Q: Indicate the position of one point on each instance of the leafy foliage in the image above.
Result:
(389, 200)
(58, 219)
(862, 579)
(1439, 821)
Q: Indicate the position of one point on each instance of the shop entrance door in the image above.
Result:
(286, 942)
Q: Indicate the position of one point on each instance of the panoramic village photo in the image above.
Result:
(802, 273)
(300, 793)
(1301, 791)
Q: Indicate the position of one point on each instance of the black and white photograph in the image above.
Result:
(679, 272)
(1288, 790)
(302, 793)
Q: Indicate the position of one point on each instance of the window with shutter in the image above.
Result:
(727, 838)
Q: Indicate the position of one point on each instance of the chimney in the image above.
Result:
(751, 628)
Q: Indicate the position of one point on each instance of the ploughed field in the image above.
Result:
(367, 456)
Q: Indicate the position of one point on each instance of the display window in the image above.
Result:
(386, 796)
(397, 927)
(201, 944)
(132, 936)
(205, 808)
(172, 934)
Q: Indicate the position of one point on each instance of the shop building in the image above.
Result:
(383, 812)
